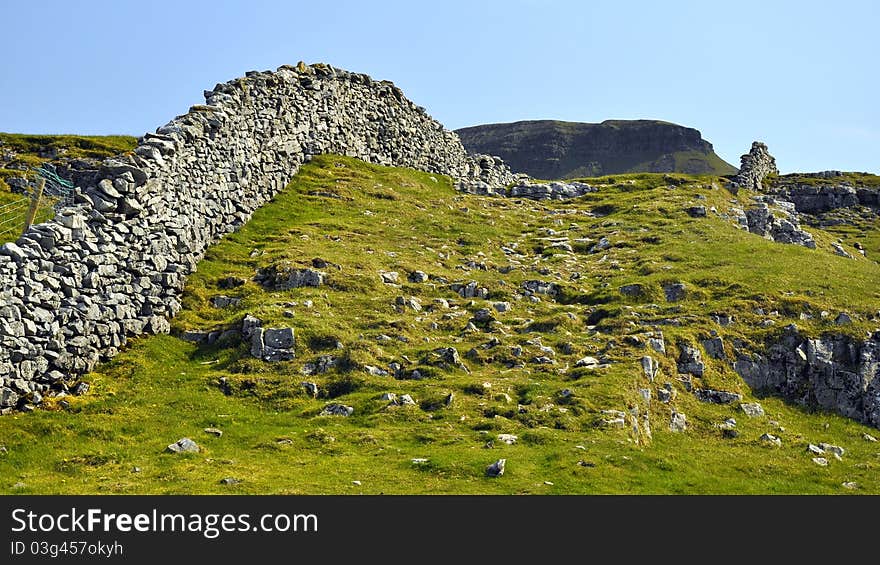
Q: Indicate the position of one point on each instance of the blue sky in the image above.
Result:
(801, 76)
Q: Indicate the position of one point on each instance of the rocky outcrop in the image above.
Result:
(833, 372)
(548, 149)
(74, 289)
(779, 223)
(755, 166)
(816, 193)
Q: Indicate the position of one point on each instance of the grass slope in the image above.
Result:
(364, 219)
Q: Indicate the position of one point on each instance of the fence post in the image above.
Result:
(35, 204)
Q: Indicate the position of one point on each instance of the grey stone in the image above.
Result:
(310, 388)
(588, 362)
(675, 292)
(714, 348)
(496, 469)
(752, 409)
(690, 360)
(771, 439)
(716, 396)
(678, 422)
(285, 277)
(649, 367)
(632, 290)
(389, 277)
(337, 410)
(183, 445)
(417, 277)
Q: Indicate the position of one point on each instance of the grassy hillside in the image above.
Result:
(357, 220)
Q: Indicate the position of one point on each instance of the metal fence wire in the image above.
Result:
(57, 190)
(56, 187)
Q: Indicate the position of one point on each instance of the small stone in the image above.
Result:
(310, 388)
(587, 362)
(850, 485)
(868, 437)
(752, 409)
(419, 461)
(417, 277)
(213, 431)
(337, 410)
(678, 422)
(815, 449)
(509, 439)
(496, 469)
(835, 449)
(390, 277)
(135, 469)
(771, 439)
(674, 292)
(183, 445)
(230, 481)
(842, 319)
(820, 461)
(356, 483)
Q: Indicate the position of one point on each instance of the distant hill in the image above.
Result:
(548, 149)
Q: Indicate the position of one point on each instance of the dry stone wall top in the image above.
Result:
(74, 289)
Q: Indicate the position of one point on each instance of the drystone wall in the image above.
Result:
(74, 289)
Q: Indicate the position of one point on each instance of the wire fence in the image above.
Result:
(12, 217)
(57, 192)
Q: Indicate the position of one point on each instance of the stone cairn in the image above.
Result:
(755, 166)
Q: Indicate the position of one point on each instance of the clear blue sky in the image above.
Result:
(803, 76)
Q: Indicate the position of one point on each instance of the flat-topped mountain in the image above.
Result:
(550, 149)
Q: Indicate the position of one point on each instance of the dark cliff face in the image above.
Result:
(547, 149)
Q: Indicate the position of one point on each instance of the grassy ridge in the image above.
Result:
(361, 219)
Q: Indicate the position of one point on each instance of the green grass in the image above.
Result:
(162, 388)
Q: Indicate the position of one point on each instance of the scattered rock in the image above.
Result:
(183, 445)
(675, 292)
(417, 277)
(320, 364)
(771, 439)
(690, 360)
(632, 290)
(836, 450)
(337, 410)
(752, 409)
(230, 481)
(649, 367)
(310, 388)
(716, 396)
(820, 461)
(509, 439)
(714, 348)
(389, 277)
(283, 276)
(842, 319)
(496, 469)
(678, 422)
(213, 431)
